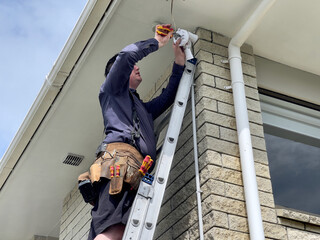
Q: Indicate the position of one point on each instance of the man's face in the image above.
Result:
(135, 78)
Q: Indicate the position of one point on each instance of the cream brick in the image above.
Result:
(248, 58)
(238, 223)
(216, 118)
(204, 56)
(164, 211)
(178, 213)
(232, 136)
(185, 235)
(210, 157)
(222, 83)
(82, 223)
(260, 156)
(204, 79)
(275, 231)
(224, 234)
(255, 117)
(185, 223)
(204, 34)
(208, 129)
(215, 219)
(212, 219)
(253, 105)
(249, 70)
(226, 109)
(219, 61)
(184, 136)
(213, 70)
(220, 39)
(185, 192)
(212, 187)
(266, 199)
(84, 232)
(269, 215)
(206, 103)
(256, 129)
(252, 93)
(250, 81)
(165, 236)
(294, 234)
(218, 146)
(226, 205)
(264, 184)
(179, 182)
(262, 170)
(234, 191)
(228, 134)
(220, 174)
(231, 162)
(182, 152)
(213, 93)
(246, 48)
(210, 47)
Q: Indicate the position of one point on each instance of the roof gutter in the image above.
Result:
(77, 42)
(241, 112)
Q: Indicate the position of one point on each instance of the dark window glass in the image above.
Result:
(295, 172)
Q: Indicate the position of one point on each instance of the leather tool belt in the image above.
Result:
(119, 162)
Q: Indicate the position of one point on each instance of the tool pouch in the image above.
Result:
(133, 176)
(88, 191)
(117, 175)
(121, 165)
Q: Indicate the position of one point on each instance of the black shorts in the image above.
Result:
(110, 209)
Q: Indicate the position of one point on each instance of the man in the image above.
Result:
(129, 129)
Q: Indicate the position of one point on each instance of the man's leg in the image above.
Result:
(114, 232)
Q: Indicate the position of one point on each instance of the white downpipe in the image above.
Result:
(241, 112)
(196, 163)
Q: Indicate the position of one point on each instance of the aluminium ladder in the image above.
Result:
(146, 206)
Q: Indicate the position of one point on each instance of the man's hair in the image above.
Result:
(109, 64)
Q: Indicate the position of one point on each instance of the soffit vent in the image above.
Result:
(73, 159)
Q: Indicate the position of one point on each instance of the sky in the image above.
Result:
(32, 35)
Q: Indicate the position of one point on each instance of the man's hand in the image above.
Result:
(180, 56)
(163, 40)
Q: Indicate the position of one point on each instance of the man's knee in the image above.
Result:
(114, 232)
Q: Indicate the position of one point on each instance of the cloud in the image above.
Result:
(32, 34)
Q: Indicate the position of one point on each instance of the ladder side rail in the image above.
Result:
(166, 157)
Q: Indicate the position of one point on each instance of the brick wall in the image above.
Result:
(75, 218)
(224, 213)
(223, 204)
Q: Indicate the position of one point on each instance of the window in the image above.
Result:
(292, 135)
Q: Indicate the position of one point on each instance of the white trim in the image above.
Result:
(291, 117)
